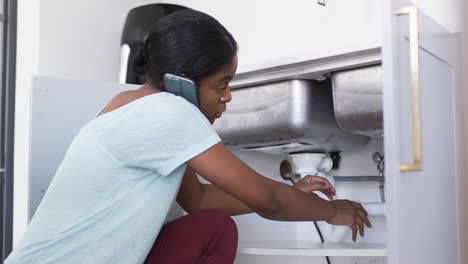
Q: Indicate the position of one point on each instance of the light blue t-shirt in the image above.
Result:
(111, 193)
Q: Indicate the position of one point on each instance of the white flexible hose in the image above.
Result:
(375, 209)
(335, 234)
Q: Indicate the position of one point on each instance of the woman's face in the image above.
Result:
(214, 92)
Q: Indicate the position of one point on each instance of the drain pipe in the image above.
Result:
(318, 164)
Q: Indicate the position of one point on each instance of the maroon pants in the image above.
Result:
(203, 237)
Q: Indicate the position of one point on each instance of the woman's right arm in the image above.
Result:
(271, 199)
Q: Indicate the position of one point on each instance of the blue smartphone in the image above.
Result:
(181, 86)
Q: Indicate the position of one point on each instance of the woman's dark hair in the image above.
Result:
(186, 41)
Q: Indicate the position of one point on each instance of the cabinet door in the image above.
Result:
(420, 137)
(60, 107)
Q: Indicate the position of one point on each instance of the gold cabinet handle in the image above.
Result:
(412, 11)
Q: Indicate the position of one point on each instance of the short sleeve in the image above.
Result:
(160, 134)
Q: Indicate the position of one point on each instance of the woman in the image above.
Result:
(109, 198)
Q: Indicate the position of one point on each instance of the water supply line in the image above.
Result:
(379, 159)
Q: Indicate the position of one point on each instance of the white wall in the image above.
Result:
(27, 65)
(446, 13)
(81, 39)
(464, 181)
(305, 29)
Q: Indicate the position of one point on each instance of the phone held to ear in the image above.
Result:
(181, 86)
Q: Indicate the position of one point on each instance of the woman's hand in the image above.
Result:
(351, 214)
(311, 183)
(347, 212)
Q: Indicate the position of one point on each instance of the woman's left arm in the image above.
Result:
(194, 196)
